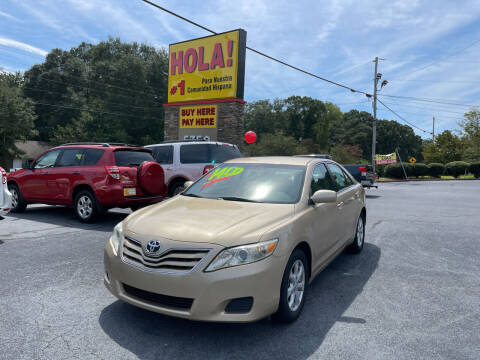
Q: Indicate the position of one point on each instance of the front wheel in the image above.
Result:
(359, 240)
(18, 203)
(294, 288)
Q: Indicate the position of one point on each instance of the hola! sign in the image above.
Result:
(198, 117)
(386, 159)
(211, 67)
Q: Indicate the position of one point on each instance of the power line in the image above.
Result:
(436, 101)
(446, 57)
(84, 109)
(257, 51)
(108, 102)
(402, 118)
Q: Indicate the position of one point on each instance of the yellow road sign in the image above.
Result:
(412, 160)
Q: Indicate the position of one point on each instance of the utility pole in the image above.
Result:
(433, 129)
(374, 125)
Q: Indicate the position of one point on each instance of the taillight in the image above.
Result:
(113, 171)
(363, 170)
(3, 175)
(207, 168)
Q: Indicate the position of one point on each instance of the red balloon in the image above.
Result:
(250, 137)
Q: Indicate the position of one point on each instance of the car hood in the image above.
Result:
(222, 222)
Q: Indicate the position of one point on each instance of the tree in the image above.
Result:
(471, 134)
(447, 147)
(277, 144)
(121, 85)
(17, 116)
(321, 128)
(346, 154)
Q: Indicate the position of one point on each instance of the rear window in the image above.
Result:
(132, 157)
(207, 153)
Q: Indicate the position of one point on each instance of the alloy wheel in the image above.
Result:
(14, 198)
(360, 232)
(296, 285)
(84, 207)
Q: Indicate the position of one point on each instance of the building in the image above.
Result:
(29, 151)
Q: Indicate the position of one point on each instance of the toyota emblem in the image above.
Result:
(152, 248)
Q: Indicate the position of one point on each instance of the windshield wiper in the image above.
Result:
(234, 198)
(192, 195)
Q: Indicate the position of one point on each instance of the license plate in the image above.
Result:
(129, 191)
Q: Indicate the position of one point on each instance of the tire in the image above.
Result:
(357, 245)
(288, 310)
(176, 187)
(86, 206)
(18, 202)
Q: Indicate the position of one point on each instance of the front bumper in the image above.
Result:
(211, 292)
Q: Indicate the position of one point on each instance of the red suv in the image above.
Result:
(91, 177)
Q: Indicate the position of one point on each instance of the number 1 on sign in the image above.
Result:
(180, 85)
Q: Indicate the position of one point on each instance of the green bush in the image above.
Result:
(475, 169)
(380, 170)
(395, 170)
(420, 170)
(436, 169)
(456, 168)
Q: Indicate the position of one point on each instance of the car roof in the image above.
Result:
(285, 160)
(102, 146)
(181, 142)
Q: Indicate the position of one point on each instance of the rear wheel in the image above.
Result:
(176, 187)
(359, 240)
(86, 206)
(293, 289)
(18, 203)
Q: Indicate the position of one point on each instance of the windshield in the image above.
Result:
(266, 183)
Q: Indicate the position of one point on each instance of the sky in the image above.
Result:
(430, 49)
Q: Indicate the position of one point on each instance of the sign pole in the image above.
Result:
(401, 163)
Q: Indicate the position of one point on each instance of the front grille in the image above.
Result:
(159, 299)
(178, 260)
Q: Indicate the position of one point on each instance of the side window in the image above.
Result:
(91, 156)
(194, 154)
(71, 157)
(348, 179)
(338, 176)
(320, 179)
(47, 160)
(163, 154)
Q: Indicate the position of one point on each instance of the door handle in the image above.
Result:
(340, 204)
(75, 173)
(45, 173)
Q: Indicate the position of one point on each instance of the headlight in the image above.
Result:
(117, 236)
(241, 255)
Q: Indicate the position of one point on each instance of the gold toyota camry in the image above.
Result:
(241, 243)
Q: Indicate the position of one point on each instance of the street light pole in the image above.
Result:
(374, 125)
(433, 128)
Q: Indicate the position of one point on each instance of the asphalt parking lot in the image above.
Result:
(413, 293)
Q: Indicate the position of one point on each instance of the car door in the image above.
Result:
(345, 202)
(65, 174)
(320, 222)
(35, 184)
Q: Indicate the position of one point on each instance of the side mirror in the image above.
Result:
(187, 184)
(324, 196)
